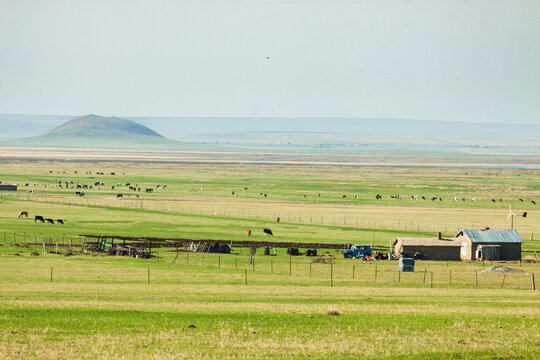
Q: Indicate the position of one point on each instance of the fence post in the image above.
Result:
(375, 272)
(148, 276)
(52, 272)
(245, 276)
(353, 271)
(476, 277)
(290, 264)
(331, 274)
(187, 258)
(431, 281)
(219, 262)
(502, 283)
(309, 269)
(532, 281)
(424, 277)
(272, 266)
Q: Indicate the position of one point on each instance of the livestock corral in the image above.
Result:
(228, 261)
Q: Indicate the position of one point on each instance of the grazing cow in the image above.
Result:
(344, 196)
(525, 214)
(128, 184)
(40, 218)
(268, 232)
(493, 200)
(284, 196)
(304, 196)
(60, 221)
(455, 198)
(277, 219)
(533, 202)
(31, 191)
(85, 186)
(520, 200)
(79, 186)
(50, 221)
(378, 197)
(232, 193)
(112, 187)
(118, 196)
(265, 195)
(423, 198)
(245, 189)
(440, 199)
(23, 213)
(500, 200)
(248, 232)
(356, 196)
(473, 199)
(148, 190)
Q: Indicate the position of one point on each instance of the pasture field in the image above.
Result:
(110, 307)
(95, 306)
(198, 202)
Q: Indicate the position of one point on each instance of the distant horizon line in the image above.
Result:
(271, 117)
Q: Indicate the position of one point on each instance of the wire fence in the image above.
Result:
(214, 270)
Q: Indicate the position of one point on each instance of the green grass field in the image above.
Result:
(95, 306)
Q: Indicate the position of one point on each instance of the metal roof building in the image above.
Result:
(508, 243)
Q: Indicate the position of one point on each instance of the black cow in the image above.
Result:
(60, 221)
(50, 221)
(534, 202)
(119, 195)
(268, 232)
(149, 190)
(40, 218)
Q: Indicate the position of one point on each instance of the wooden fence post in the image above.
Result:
(502, 283)
(424, 277)
(51, 273)
(431, 281)
(331, 275)
(148, 277)
(532, 281)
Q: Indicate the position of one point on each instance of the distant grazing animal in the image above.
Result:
(265, 195)
(534, 202)
(378, 197)
(356, 196)
(23, 213)
(232, 192)
(40, 218)
(493, 200)
(525, 214)
(268, 232)
(118, 195)
(248, 232)
(520, 200)
(278, 219)
(50, 221)
(60, 221)
(344, 196)
(423, 198)
(148, 190)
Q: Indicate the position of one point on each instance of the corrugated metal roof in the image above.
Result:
(492, 236)
(415, 241)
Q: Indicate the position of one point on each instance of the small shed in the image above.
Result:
(435, 248)
(508, 241)
(8, 187)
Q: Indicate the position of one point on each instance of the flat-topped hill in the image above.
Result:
(95, 125)
(94, 131)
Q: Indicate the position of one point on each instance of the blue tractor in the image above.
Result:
(357, 251)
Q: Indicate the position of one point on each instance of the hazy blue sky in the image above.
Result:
(434, 60)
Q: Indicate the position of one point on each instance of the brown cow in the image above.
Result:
(248, 232)
(23, 213)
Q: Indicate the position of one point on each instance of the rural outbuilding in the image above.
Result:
(8, 187)
(435, 248)
(501, 244)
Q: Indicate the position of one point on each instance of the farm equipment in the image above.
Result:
(358, 251)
